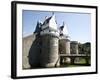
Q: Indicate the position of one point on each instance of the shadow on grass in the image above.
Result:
(74, 65)
(64, 65)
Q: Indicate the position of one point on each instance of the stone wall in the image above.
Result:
(26, 44)
(30, 52)
(64, 48)
(44, 51)
(49, 51)
(74, 47)
(40, 52)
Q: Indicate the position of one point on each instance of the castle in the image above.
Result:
(42, 49)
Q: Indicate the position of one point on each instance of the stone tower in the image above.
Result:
(74, 50)
(34, 52)
(74, 47)
(49, 37)
(64, 43)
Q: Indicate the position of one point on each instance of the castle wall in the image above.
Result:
(26, 44)
(30, 52)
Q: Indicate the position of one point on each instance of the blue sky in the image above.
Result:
(78, 24)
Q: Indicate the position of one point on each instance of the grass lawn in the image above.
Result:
(79, 63)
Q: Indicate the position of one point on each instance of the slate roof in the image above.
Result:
(38, 27)
(47, 20)
(61, 27)
(64, 30)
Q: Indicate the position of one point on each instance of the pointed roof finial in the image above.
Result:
(63, 23)
(52, 13)
(65, 30)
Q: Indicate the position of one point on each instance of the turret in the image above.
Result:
(74, 47)
(49, 35)
(35, 49)
(74, 50)
(64, 43)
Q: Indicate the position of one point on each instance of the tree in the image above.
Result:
(85, 48)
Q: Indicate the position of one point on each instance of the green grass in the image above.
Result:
(81, 62)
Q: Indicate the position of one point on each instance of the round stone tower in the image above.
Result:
(74, 50)
(49, 49)
(74, 47)
(34, 51)
(64, 43)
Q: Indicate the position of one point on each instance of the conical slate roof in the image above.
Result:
(50, 23)
(38, 27)
(47, 20)
(64, 29)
